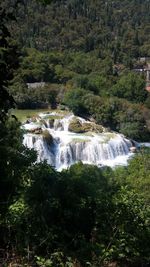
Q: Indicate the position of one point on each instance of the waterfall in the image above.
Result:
(67, 148)
(44, 152)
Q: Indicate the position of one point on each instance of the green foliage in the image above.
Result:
(84, 215)
(137, 174)
(57, 259)
(74, 100)
(16, 212)
(8, 62)
(13, 154)
(130, 227)
(81, 212)
(120, 115)
(131, 87)
(82, 86)
(35, 98)
(85, 26)
(36, 67)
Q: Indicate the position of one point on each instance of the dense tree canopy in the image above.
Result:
(86, 25)
(8, 63)
(75, 45)
(130, 87)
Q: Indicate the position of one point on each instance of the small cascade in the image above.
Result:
(66, 147)
(44, 152)
(62, 124)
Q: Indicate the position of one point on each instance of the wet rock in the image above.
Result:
(34, 119)
(47, 137)
(133, 149)
(92, 127)
(51, 123)
(58, 125)
(76, 126)
(43, 122)
(36, 130)
(33, 139)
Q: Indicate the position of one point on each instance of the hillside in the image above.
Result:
(120, 29)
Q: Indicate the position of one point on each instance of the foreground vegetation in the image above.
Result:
(84, 214)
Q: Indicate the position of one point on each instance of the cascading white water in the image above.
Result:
(68, 148)
(39, 144)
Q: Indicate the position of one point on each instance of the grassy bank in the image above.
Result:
(24, 114)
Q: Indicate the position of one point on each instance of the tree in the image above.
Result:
(74, 100)
(131, 87)
(8, 62)
(137, 174)
(15, 159)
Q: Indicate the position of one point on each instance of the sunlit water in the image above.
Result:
(67, 148)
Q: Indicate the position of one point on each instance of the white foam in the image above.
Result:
(108, 149)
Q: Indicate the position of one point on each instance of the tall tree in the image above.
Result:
(8, 62)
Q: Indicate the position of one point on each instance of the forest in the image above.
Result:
(85, 52)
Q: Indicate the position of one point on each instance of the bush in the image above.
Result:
(74, 100)
(131, 86)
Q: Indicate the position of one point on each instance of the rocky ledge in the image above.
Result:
(77, 126)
